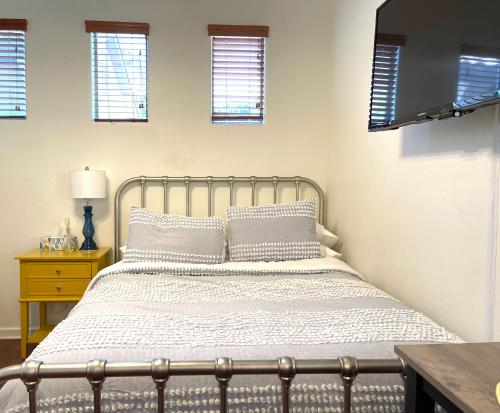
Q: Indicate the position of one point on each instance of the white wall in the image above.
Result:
(413, 207)
(36, 154)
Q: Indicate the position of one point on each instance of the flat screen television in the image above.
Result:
(434, 59)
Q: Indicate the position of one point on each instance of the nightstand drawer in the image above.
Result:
(56, 287)
(59, 269)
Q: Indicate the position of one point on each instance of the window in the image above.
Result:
(478, 79)
(238, 73)
(119, 64)
(385, 82)
(12, 68)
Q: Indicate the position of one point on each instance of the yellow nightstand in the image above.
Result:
(54, 276)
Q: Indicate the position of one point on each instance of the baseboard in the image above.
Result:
(12, 333)
(7, 333)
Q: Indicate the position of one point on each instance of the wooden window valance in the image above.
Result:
(480, 51)
(235, 30)
(95, 26)
(391, 39)
(14, 24)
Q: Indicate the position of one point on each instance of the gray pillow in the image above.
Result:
(173, 238)
(273, 232)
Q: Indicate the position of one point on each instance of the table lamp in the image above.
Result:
(87, 184)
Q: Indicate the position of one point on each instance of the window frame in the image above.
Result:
(93, 27)
(238, 31)
(17, 25)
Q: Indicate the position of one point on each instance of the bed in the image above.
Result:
(235, 336)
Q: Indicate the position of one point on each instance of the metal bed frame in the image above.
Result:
(31, 372)
(223, 369)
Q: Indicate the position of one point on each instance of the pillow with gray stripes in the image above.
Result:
(278, 232)
(173, 238)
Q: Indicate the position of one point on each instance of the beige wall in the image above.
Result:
(36, 154)
(414, 208)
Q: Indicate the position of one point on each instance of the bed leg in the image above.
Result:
(223, 373)
(348, 374)
(29, 376)
(287, 373)
(160, 372)
(95, 375)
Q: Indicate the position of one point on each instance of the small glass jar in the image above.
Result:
(70, 243)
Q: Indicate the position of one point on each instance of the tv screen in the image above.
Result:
(434, 59)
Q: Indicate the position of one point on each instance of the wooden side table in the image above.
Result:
(54, 276)
(458, 377)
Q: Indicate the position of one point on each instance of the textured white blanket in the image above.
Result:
(142, 311)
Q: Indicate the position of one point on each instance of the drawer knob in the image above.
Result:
(58, 287)
(58, 271)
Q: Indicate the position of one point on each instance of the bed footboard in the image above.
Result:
(223, 369)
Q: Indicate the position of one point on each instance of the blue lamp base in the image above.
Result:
(88, 230)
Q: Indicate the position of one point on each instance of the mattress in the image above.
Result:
(319, 308)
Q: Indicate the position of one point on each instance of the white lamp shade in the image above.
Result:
(87, 184)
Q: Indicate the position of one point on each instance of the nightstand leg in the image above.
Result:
(43, 314)
(25, 307)
(416, 400)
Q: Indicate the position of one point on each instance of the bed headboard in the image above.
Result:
(209, 181)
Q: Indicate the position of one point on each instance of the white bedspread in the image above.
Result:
(306, 309)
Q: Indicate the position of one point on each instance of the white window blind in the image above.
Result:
(385, 82)
(12, 74)
(479, 78)
(119, 70)
(238, 73)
